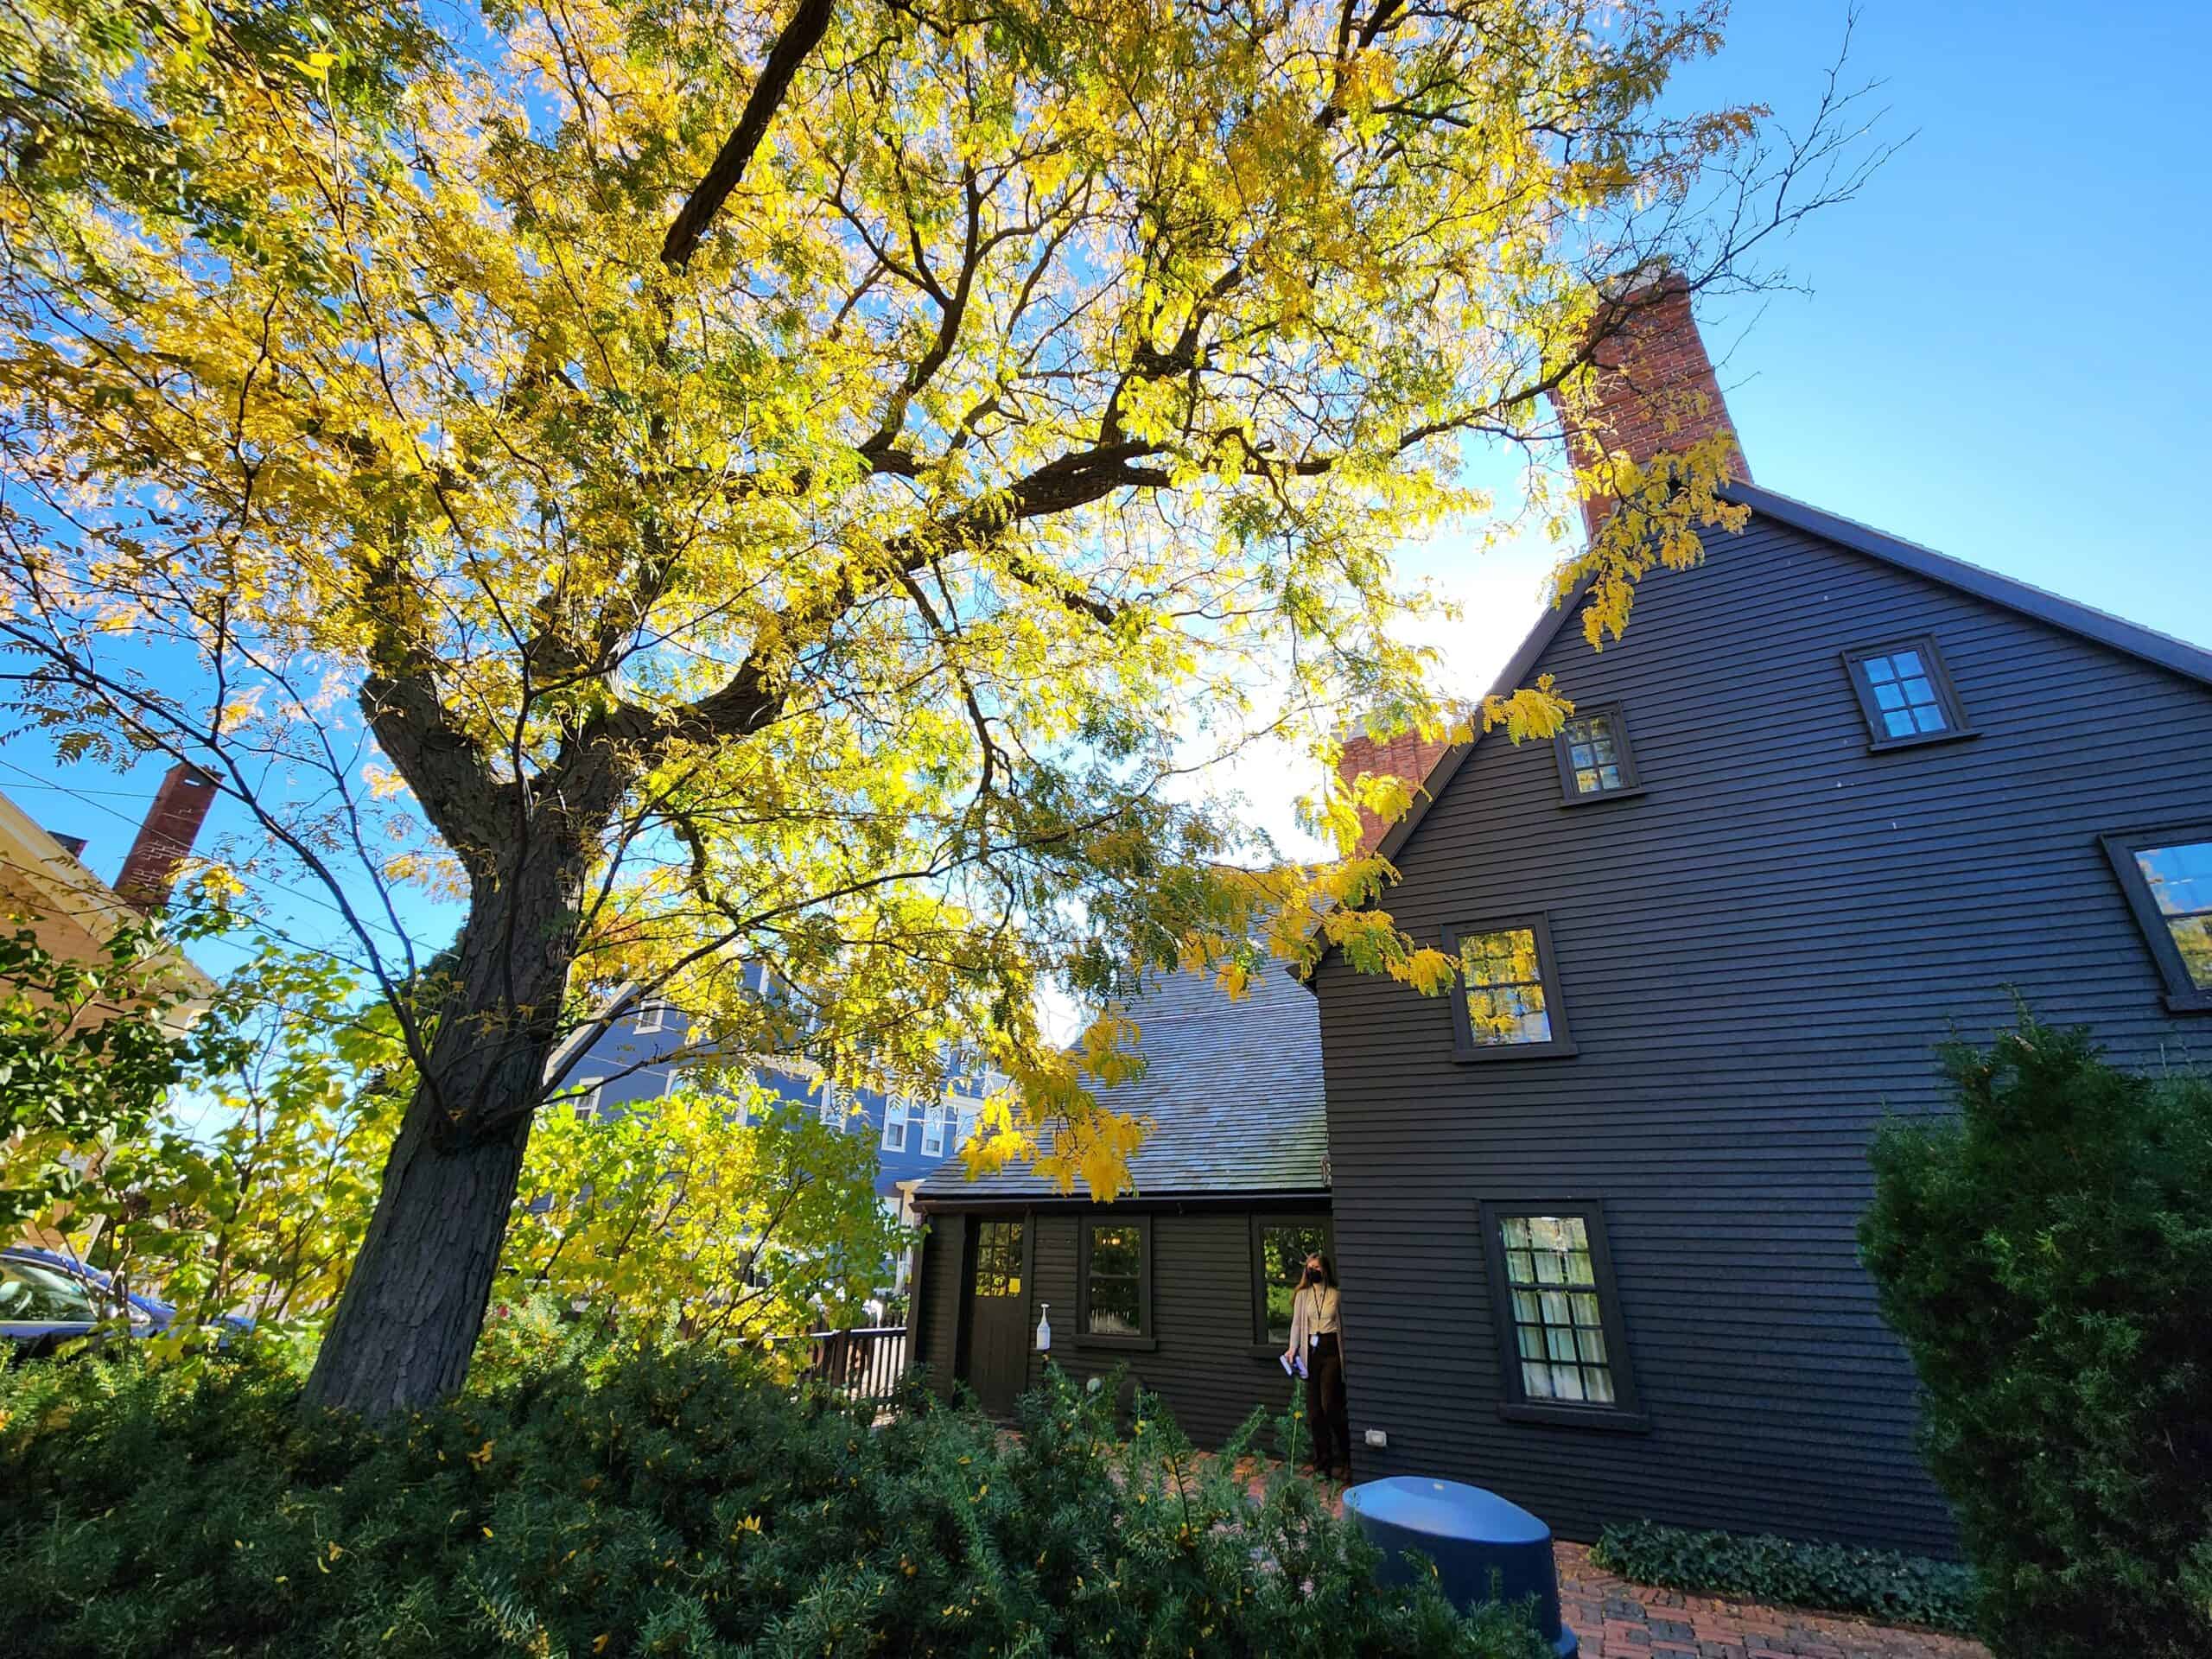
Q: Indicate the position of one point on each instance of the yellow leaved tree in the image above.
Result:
(708, 488)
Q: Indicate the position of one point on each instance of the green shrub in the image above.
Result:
(1880, 1583)
(2047, 1258)
(655, 1500)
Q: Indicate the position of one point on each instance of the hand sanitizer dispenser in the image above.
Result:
(1044, 1327)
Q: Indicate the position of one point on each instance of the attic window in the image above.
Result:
(1595, 761)
(2167, 876)
(1905, 694)
(1508, 1006)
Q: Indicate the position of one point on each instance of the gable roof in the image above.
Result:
(2131, 639)
(1233, 1089)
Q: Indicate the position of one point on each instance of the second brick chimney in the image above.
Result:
(1408, 755)
(1655, 389)
(165, 839)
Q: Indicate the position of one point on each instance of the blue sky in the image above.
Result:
(1998, 354)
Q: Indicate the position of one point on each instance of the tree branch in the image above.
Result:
(809, 22)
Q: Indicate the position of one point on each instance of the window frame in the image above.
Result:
(1145, 1338)
(1626, 1413)
(2183, 995)
(934, 1121)
(1560, 1046)
(1939, 676)
(1263, 1344)
(1631, 778)
(895, 1112)
(654, 1011)
(590, 1098)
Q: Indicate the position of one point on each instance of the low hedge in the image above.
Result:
(653, 1500)
(1881, 1584)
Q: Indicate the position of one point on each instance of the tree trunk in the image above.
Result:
(414, 1303)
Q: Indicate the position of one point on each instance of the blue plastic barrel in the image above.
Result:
(1484, 1548)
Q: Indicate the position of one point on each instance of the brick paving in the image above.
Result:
(1619, 1620)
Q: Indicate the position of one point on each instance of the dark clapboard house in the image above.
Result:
(1832, 800)
(1187, 1282)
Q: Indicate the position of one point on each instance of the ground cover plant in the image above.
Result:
(1882, 1583)
(582, 1498)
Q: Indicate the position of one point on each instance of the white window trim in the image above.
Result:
(933, 1129)
(651, 1017)
(894, 1116)
(586, 1102)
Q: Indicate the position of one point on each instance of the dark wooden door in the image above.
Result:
(998, 1313)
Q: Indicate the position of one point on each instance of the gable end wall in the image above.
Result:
(1759, 956)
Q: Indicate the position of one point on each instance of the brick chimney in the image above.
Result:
(1408, 755)
(165, 839)
(1655, 390)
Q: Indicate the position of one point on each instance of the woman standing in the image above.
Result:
(1317, 1345)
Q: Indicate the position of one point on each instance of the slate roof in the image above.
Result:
(1234, 1090)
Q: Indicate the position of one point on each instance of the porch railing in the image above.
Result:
(864, 1365)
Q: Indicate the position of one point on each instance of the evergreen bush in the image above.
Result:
(2047, 1257)
(651, 1499)
(1881, 1584)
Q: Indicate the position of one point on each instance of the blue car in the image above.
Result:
(46, 1299)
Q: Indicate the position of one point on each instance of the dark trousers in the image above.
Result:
(1325, 1404)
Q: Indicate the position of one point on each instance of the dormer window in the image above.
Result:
(1905, 694)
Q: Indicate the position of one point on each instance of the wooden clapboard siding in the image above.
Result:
(1201, 1362)
(1758, 955)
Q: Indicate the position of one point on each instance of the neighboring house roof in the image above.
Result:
(2176, 656)
(1233, 1089)
(74, 913)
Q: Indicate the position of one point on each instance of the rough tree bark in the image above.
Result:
(415, 1301)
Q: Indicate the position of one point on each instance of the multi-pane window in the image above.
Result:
(1114, 1299)
(1559, 1335)
(2167, 875)
(1559, 1327)
(1508, 1000)
(1595, 757)
(933, 1132)
(998, 1258)
(585, 1101)
(1905, 693)
(1280, 1247)
(894, 1124)
(1505, 987)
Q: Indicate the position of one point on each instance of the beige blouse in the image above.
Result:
(1313, 1313)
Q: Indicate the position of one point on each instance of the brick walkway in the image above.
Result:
(1616, 1619)
(1619, 1620)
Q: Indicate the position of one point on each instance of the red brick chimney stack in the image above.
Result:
(1408, 755)
(1655, 391)
(165, 839)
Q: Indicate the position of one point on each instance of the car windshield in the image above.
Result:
(32, 1293)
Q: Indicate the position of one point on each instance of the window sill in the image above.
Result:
(1634, 791)
(1919, 740)
(1606, 1418)
(1124, 1344)
(1515, 1052)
